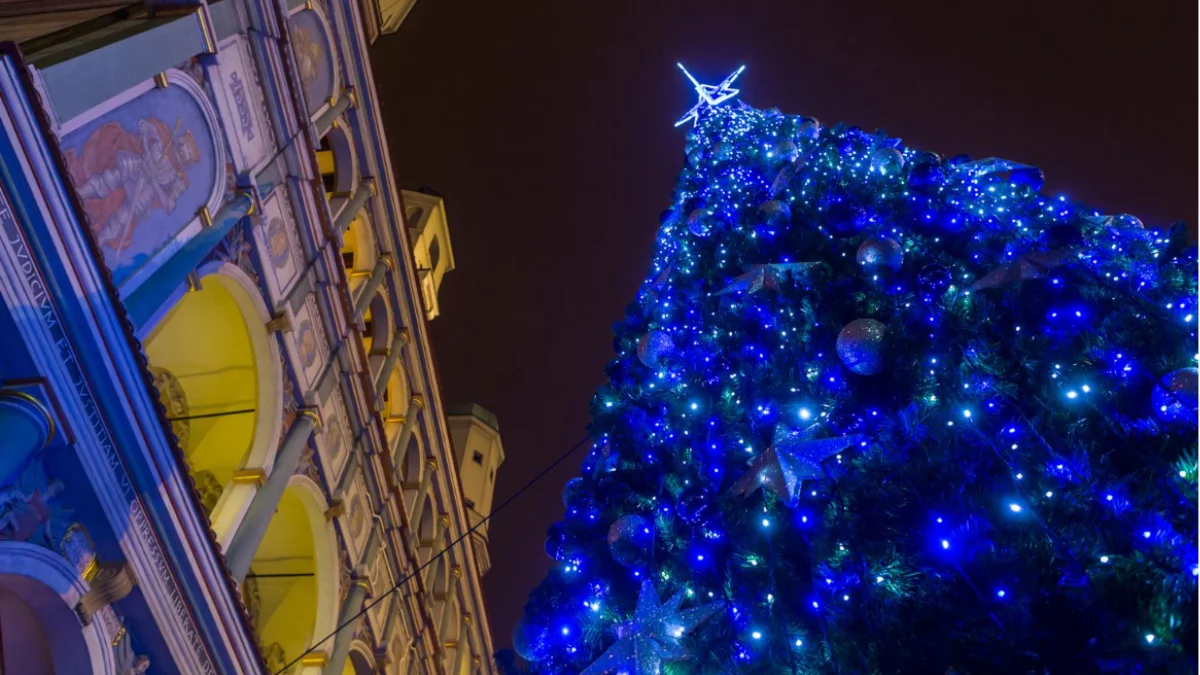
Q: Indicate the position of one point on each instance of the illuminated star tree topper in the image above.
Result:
(710, 95)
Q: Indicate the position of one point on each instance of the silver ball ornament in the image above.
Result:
(861, 346)
(878, 254)
(1127, 221)
(653, 346)
(887, 161)
(630, 539)
(1174, 398)
(808, 129)
(785, 151)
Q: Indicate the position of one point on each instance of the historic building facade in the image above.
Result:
(223, 446)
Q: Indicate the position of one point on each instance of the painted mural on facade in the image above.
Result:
(30, 509)
(143, 170)
(314, 57)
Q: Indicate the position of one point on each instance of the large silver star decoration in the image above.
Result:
(1027, 266)
(793, 457)
(764, 276)
(653, 637)
(710, 95)
(983, 167)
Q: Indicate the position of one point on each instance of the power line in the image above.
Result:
(396, 587)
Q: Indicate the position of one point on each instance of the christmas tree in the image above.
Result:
(875, 411)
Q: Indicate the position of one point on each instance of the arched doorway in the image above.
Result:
(291, 591)
(24, 646)
(40, 633)
(217, 372)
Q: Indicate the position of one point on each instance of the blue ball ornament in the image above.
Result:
(775, 213)
(861, 346)
(571, 490)
(701, 223)
(630, 539)
(1029, 176)
(851, 221)
(933, 281)
(653, 346)
(1174, 397)
(694, 506)
(556, 542)
(925, 172)
(529, 640)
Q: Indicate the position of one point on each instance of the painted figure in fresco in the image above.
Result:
(309, 55)
(29, 508)
(307, 344)
(123, 175)
(277, 241)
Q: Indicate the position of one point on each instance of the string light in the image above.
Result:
(699, 412)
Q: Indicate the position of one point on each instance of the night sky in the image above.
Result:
(547, 127)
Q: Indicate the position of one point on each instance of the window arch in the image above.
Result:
(426, 530)
(359, 253)
(435, 253)
(377, 332)
(360, 661)
(337, 163)
(451, 630)
(292, 589)
(396, 395)
(221, 389)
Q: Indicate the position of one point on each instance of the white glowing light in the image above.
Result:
(710, 95)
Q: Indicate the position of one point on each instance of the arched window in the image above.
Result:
(291, 589)
(220, 388)
(435, 253)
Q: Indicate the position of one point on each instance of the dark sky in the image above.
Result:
(547, 127)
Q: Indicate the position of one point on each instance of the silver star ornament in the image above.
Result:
(653, 637)
(764, 276)
(793, 457)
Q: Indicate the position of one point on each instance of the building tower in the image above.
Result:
(475, 433)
